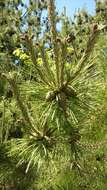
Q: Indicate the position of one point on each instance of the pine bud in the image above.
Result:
(70, 91)
(58, 40)
(94, 27)
(70, 38)
(50, 96)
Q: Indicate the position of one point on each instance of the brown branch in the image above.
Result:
(63, 60)
(49, 73)
(27, 118)
(51, 16)
(89, 48)
(34, 59)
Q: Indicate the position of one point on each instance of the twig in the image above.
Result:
(89, 48)
(23, 108)
(51, 16)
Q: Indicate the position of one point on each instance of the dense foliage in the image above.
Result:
(53, 95)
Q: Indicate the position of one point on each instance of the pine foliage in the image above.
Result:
(52, 98)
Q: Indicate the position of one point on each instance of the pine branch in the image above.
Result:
(27, 118)
(46, 65)
(89, 48)
(51, 16)
(34, 59)
(63, 60)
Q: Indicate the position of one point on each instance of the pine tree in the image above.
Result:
(53, 93)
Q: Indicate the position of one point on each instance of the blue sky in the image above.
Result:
(72, 5)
